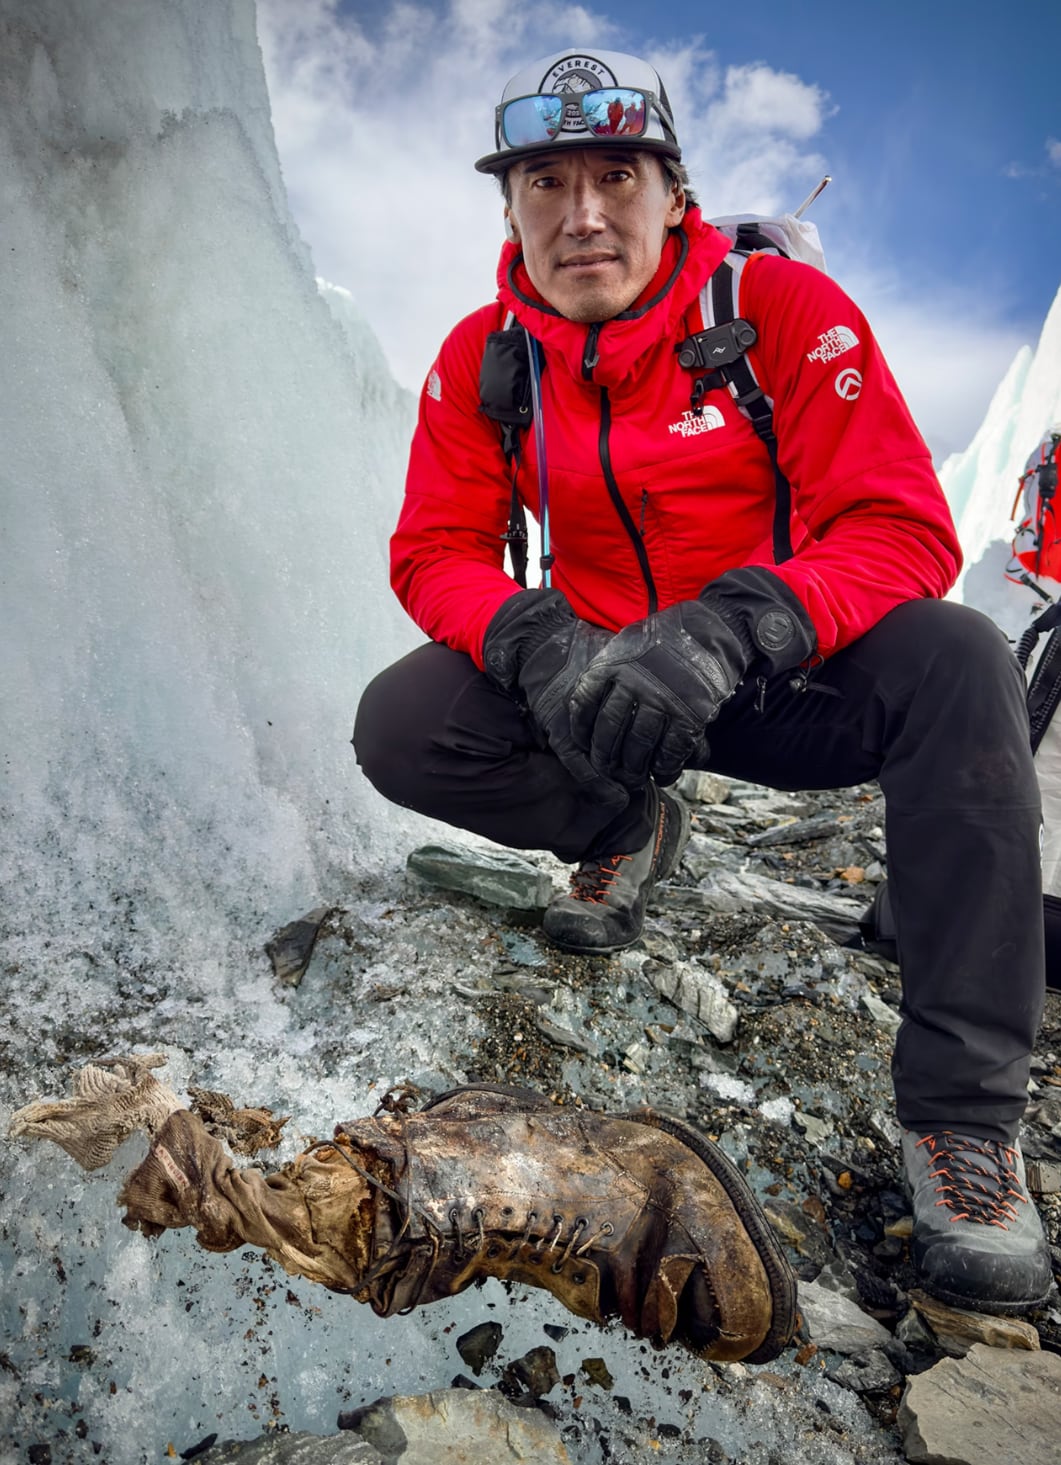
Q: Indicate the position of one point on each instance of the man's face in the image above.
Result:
(592, 223)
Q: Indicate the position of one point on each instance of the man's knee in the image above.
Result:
(944, 650)
(384, 726)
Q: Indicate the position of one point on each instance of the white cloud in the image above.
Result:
(378, 125)
(1053, 151)
(378, 122)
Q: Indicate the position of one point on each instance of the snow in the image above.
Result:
(203, 457)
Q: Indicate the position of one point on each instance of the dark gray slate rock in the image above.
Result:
(866, 1373)
(726, 891)
(697, 992)
(993, 1405)
(499, 877)
(479, 1344)
(291, 949)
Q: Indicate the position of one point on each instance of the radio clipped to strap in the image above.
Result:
(719, 353)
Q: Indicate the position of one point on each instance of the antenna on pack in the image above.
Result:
(805, 205)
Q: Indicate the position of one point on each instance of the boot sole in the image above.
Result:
(980, 1304)
(778, 1272)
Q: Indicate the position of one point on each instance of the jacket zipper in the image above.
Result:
(617, 499)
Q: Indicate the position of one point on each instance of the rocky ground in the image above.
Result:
(752, 1008)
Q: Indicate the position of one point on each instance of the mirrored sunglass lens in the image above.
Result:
(615, 112)
(531, 119)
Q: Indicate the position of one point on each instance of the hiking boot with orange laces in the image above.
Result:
(636, 1216)
(604, 910)
(978, 1241)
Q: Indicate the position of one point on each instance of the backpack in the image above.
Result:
(510, 373)
(1037, 542)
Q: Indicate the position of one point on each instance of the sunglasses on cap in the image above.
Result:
(614, 111)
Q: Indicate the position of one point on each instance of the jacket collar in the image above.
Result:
(609, 353)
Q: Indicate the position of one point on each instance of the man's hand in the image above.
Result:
(536, 647)
(640, 709)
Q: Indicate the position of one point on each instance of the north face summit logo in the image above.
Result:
(691, 424)
(833, 343)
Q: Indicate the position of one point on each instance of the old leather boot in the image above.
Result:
(630, 1215)
(636, 1216)
(604, 910)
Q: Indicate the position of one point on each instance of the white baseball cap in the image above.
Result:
(581, 99)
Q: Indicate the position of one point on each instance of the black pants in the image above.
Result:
(930, 702)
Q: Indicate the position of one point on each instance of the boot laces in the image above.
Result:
(545, 1243)
(978, 1178)
(594, 879)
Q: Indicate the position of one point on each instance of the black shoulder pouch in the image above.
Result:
(505, 397)
(505, 384)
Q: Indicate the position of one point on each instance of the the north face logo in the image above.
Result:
(833, 343)
(691, 424)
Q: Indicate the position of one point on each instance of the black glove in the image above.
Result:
(640, 709)
(536, 648)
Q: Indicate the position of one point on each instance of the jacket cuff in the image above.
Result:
(768, 617)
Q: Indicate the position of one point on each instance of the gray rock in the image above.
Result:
(794, 831)
(704, 854)
(498, 877)
(866, 1373)
(835, 1322)
(886, 1127)
(454, 1426)
(794, 1225)
(727, 892)
(993, 1404)
(536, 1373)
(291, 949)
(817, 1130)
(1044, 1178)
(703, 788)
(880, 1012)
(914, 1334)
(697, 992)
(293, 1449)
(479, 1344)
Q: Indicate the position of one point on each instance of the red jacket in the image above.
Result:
(870, 525)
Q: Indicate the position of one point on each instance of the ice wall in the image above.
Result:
(981, 483)
(197, 479)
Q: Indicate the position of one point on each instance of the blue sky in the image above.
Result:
(940, 123)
